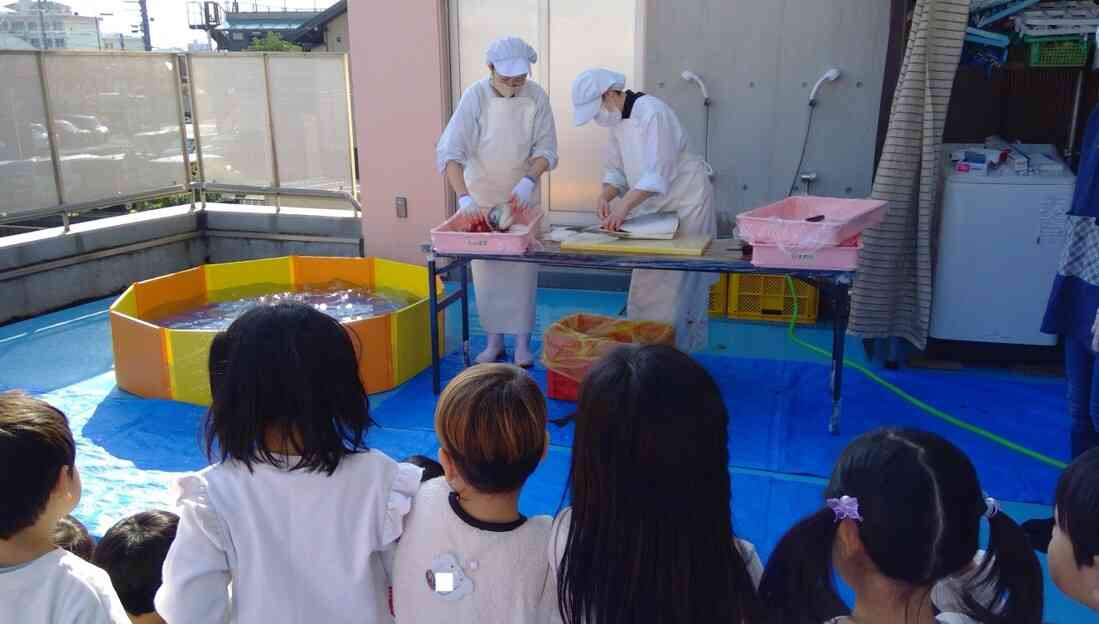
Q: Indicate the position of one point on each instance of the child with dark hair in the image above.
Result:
(649, 536)
(133, 552)
(903, 513)
(431, 468)
(1074, 549)
(40, 485)
(467, 554)
(297, 509)
(73, 536)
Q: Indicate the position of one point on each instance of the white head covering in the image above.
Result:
(511, 56)
(588, 90)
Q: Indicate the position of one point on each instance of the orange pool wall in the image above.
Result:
(156, 362)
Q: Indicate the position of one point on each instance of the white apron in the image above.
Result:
(676, 297)
(505, 290)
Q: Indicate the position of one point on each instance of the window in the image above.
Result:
(18, 26)
(58, 43)
(58, 26)
(35, 43)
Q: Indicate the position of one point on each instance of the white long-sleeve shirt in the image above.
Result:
(297, 546)
(663, 143)
(59, 588)
(463, 133)
(501, 570)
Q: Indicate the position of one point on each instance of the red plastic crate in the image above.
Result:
(561, 388)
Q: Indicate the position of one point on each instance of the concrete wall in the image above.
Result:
(400, 109)
(96, 259)
(759, 60)
(45, 270)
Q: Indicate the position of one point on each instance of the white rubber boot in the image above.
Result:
(523, 355)
(492, 351)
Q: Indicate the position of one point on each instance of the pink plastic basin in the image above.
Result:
(785, 223)
(451, 237)
(832, 258)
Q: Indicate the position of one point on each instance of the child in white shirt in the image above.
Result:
(39, 483)
(297, 510)
(467, 554)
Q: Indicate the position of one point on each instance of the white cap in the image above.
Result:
(588, 90)
(511, 56)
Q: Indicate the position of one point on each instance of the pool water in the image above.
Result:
(342, 301)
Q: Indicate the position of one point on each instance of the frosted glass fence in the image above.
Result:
(86, 130)
(27, 184)
(274, 122)
(230, 111)
(309, 103)
(117, 123)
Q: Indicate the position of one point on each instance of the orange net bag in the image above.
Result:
(574, 343)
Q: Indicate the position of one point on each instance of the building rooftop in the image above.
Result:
(281, 20)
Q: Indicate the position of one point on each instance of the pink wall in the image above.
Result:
(398, 76)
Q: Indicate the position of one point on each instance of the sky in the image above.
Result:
(168, 28)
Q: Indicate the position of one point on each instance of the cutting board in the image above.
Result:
(684, 246)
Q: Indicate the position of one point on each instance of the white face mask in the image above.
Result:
(503, 89)
(608, 119)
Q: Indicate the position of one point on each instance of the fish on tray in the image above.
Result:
(656, 226)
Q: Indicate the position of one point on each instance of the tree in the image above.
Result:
(273, 42)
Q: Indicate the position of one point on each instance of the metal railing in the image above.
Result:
(59, 157)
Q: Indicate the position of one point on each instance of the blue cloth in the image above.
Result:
(1075, 294)
(779, 409)
(1085, 203)
(1072, 306)
(1083, 393)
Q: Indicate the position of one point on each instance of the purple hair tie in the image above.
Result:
(845, 508)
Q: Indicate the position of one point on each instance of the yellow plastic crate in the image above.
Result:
(719, 296)
(763, 297)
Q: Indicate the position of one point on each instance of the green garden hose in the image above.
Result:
(937, 413)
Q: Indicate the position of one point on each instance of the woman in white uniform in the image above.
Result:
(495, 149)
(651, 168)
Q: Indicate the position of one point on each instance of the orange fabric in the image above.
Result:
(573, 344)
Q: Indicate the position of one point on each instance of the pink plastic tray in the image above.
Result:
(450, 237)
(833, 258)
(784, 223)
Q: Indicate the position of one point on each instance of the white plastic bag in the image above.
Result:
(1095, 333)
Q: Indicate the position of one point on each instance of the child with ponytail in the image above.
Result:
(902, 513)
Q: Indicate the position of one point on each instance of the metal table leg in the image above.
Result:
(465, 312)
(433, 322)
(842, 300)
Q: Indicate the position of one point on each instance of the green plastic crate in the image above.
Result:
(1063, 51)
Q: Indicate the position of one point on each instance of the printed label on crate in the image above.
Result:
(477, 243)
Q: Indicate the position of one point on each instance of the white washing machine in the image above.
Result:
(1000, 241)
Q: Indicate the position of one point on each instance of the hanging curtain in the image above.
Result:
(892, 296)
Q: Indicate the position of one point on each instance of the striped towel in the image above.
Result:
(892, 296)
